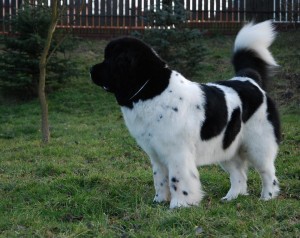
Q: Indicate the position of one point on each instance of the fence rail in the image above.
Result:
(127, 15)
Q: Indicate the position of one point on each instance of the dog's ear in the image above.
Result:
(132, 60)
(123, 66)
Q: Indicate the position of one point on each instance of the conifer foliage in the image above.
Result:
(19, 61)
(172, 37)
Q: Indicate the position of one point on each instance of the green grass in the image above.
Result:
(92, 180)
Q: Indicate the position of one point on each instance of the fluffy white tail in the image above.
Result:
(251, 50)
(257, 38)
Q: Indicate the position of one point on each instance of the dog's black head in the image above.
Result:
(129, 65)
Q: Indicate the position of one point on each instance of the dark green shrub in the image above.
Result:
(170, 37)
(19, 60)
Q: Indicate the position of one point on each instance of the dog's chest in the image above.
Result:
(173, 117)
(151, 120)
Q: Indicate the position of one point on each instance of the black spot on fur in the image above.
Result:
(174, 180)
(198, 107)
(161, 184)
(170, 91)
(154, 172)
(249, 94)
(185, 193)
(270, 194)
(160, 117)
(180, 98)
(174, 187)
(273, 117)
(215, 112)
(274, 183)
(175, 109)
(233, 128)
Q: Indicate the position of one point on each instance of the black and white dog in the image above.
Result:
(182, 124)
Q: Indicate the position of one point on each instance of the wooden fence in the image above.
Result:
(117, 17)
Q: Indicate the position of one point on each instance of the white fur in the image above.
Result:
(257, 37)
(168, 127)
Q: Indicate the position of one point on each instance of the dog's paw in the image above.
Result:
(233, 193)
(271, 191)
(230, 197)
(175, 203)
(265, 196)
(161, 199)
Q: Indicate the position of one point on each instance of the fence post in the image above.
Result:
(259, 10)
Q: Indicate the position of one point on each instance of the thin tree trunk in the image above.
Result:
(42, 79)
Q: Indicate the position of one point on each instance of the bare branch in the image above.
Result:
(69, 30)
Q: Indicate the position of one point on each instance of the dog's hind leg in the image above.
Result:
(270, 188)
(237, 168)
(270, 184)
(263, 160)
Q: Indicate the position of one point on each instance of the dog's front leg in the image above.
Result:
(184, 183)
(161, 181)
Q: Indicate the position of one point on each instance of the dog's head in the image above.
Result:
(128, 64)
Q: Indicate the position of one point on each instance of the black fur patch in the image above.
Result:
(233, 128)
(132, 71)
(215, 112)
(174, 187)
(249, 94)
(250, 73)
(248, 59)
(273, 117)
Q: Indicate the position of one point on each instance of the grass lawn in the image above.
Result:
(92, 180)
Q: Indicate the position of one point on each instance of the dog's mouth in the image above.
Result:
(98, 77)
(105, 88)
